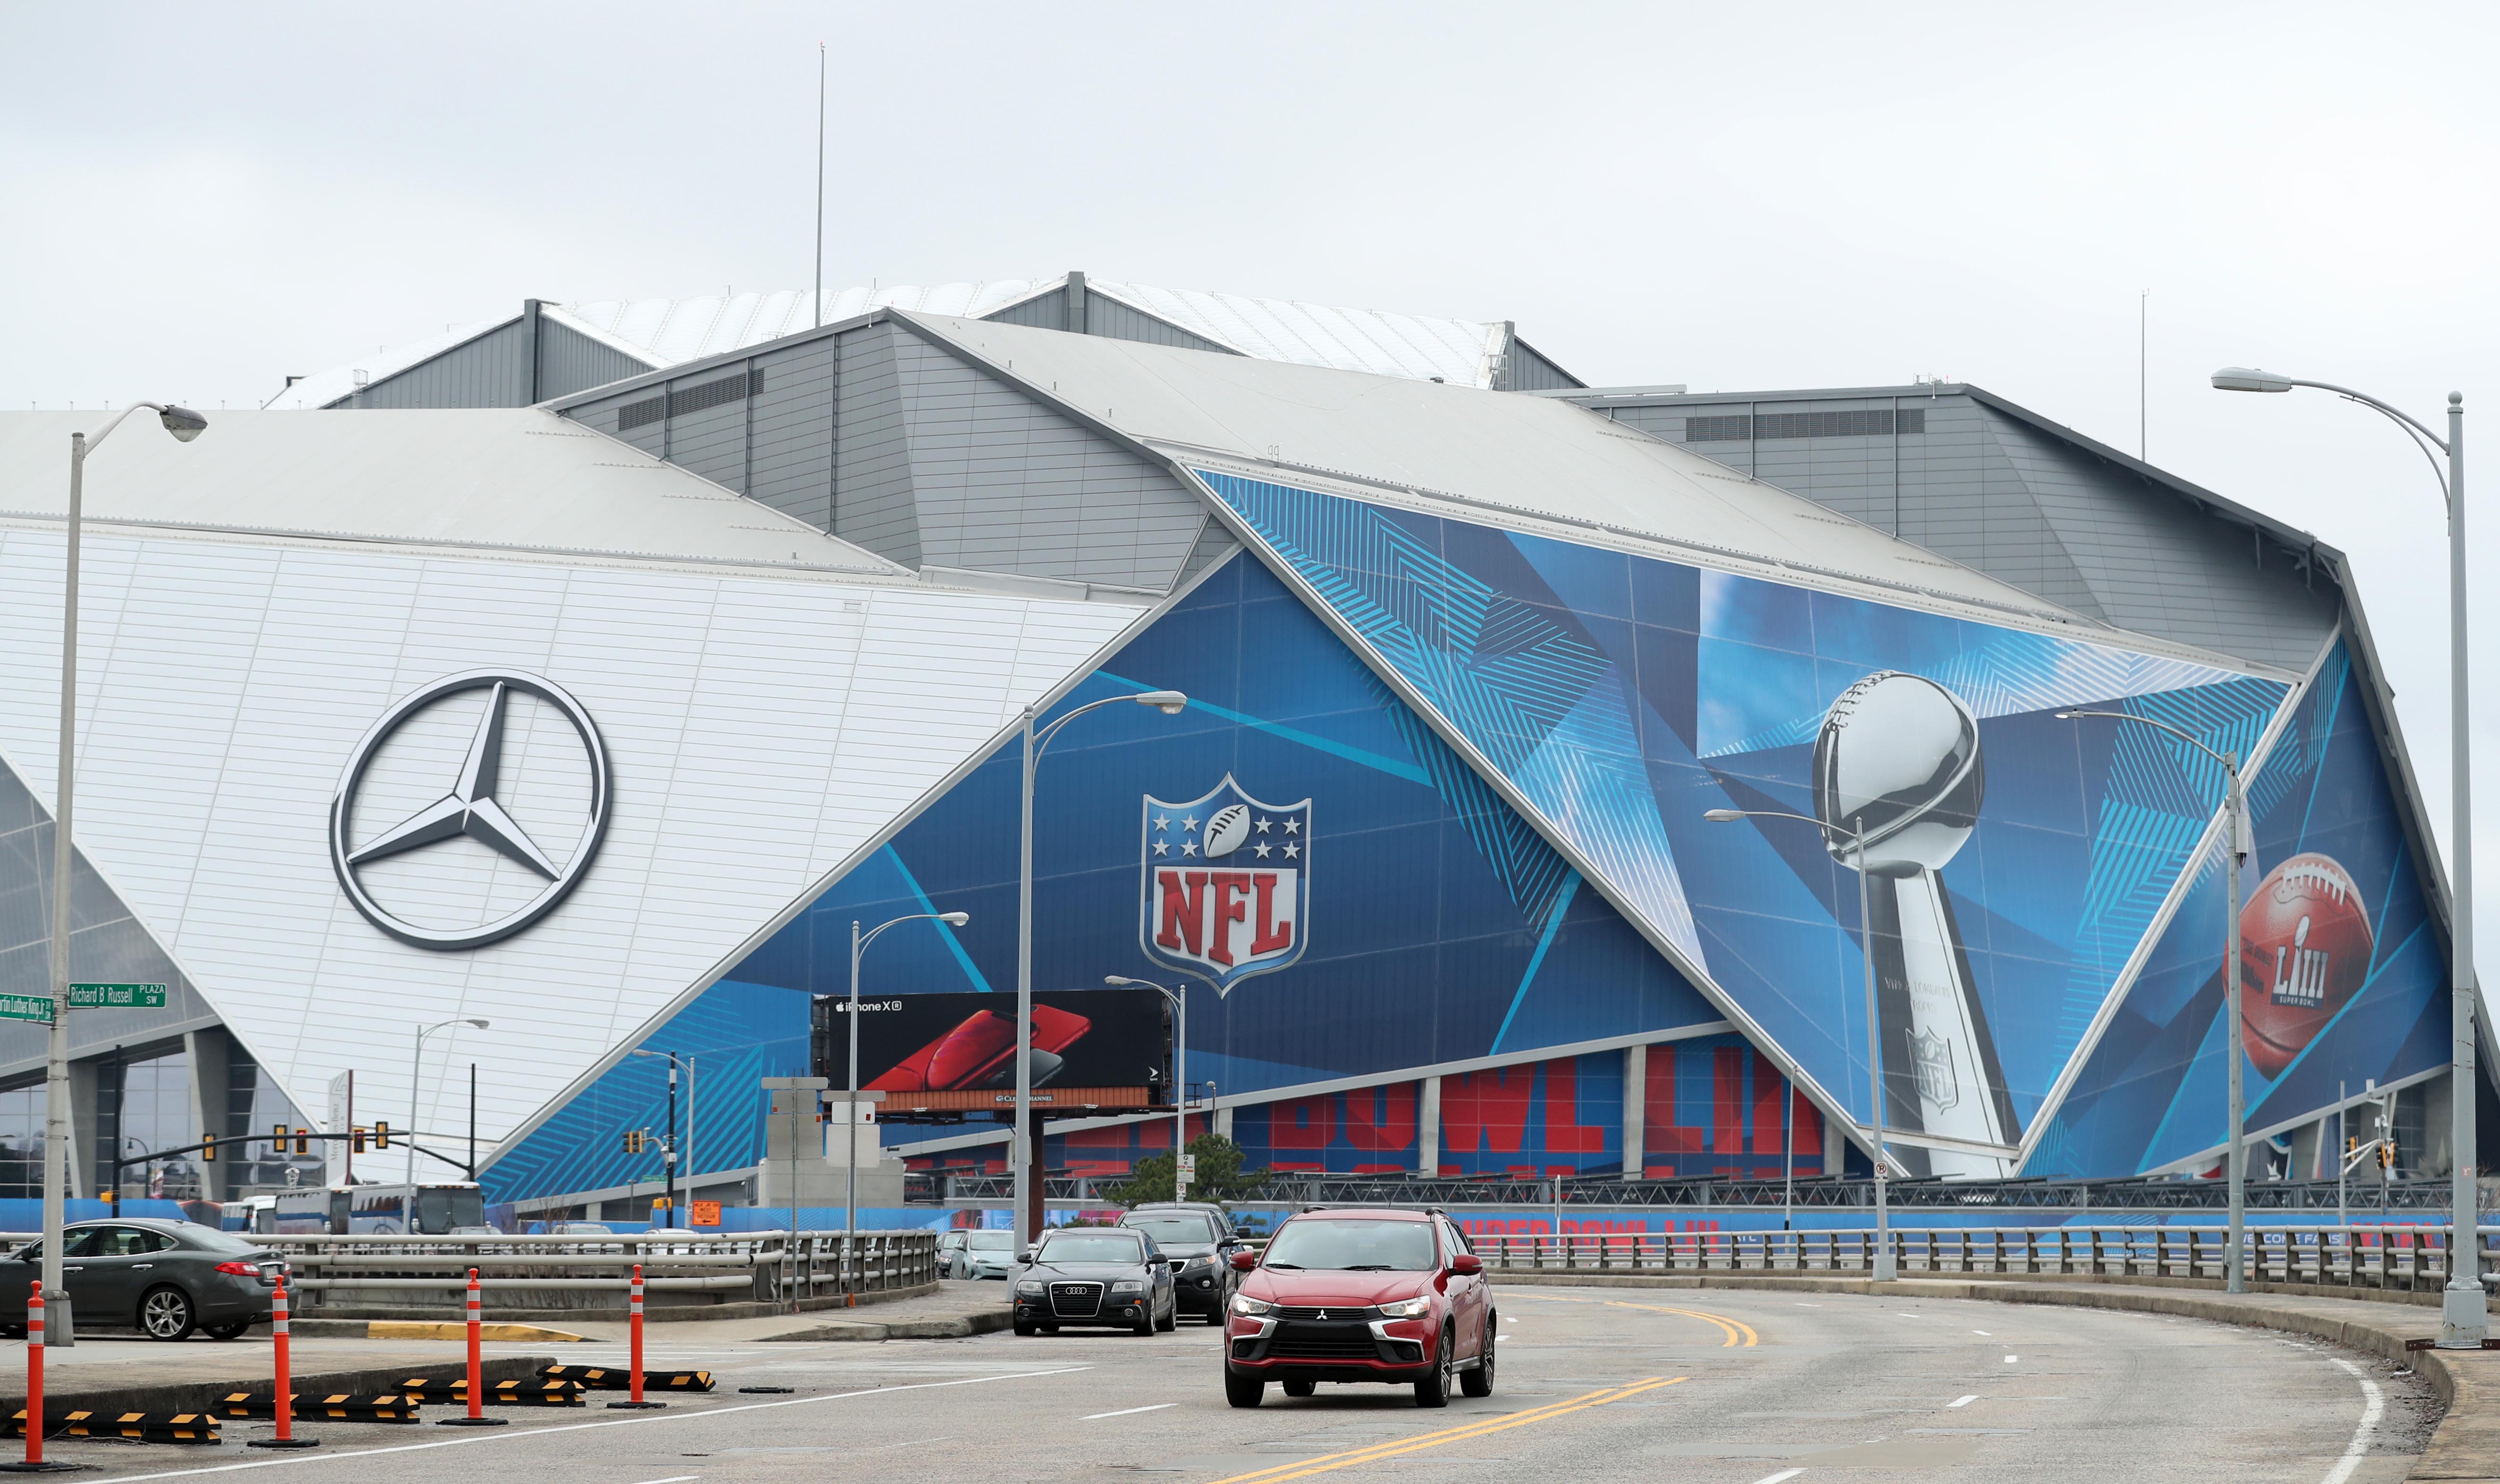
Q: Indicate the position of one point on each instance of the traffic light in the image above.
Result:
(357, 1142)
(2387, 1154)
(113, 1201)
(635, 1141)
(382, 1136)
(302, 1141)
(278, 1141)
(662, 1203)
(208, 1150)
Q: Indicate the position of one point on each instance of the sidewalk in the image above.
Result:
(134, 1374)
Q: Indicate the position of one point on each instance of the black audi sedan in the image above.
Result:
(1094, 1276)
(167, 1279)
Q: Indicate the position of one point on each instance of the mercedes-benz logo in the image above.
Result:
(469, 808)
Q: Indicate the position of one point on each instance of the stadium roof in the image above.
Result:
(479, 478)
(664, 333)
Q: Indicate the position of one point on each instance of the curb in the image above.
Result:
(62, 1392)
(414, 1328)
(961, 1327)
(2465, 1446)
(656, 1313)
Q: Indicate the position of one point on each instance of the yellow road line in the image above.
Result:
(1738, 1331)
(1377, 1451)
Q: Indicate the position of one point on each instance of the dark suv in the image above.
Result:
(1360, 1296)
(1200, 1237)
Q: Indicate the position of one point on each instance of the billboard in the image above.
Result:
(919, 1048)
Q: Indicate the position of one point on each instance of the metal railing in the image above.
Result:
(1816, 1193)
(572, 1273)
(2410, 1258)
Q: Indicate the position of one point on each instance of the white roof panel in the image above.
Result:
(479, 477)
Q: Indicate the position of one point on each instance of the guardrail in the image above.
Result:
(572, 1273)
(1812, 1193)
(2410, 1258)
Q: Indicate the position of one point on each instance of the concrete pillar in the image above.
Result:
(1636, 1108)
(1428, 1129)
(1835, 1145)
(82, 1126)
(207, 1053)
(1223, 1122)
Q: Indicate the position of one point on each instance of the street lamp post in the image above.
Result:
(1885, 1269)
(1180, 1070)
(415, 1066)
(2464, 1314)
(2238, 844)
(185, 425)
(850, 1117)
(1020, 1155)
(669, 1143)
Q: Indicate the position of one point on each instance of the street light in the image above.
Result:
(1180, 1071)
(669, 1145)
(2465, 1315)
(414, 1063)
(1169, 703)
(185, 425)
(2240, 844)
(1885, 1270)
(850, 1173)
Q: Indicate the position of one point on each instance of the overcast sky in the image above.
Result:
(201, 201)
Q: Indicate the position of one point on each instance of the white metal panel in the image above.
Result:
(761, 730)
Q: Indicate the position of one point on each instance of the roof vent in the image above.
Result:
(1741, 427)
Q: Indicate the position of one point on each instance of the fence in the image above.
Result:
(679, 1269)
(2411, 1258)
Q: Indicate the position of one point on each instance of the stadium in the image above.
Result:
(723, 615)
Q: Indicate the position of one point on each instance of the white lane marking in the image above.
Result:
(2010, 1360)
(1911, 1316)
(1803, 1305)
(2373, 1406)
(1129, 1411)
(1975, 1332)
(584, 1427)
(674, 1478)
(1962, 1401)
(1785, 1474)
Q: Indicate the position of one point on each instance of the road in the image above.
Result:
(1717, 1387)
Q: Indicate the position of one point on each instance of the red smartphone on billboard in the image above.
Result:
(981, 1052)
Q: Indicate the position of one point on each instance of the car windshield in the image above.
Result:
(1353, 1243)
(1181, 1229)
(990, 1241)
(1091, 1248)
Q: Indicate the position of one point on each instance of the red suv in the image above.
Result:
(1368, 1296)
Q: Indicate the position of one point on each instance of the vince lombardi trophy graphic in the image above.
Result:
(1898, 759)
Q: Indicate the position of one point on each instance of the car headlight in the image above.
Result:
(1243, 1304)
(1030, 1290)
(1406, 1309)
(1128, 1285)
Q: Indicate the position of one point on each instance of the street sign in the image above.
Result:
(117, 997)
(26, 1007)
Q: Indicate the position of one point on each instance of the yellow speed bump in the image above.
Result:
(1378, 1451)
(416, 1329)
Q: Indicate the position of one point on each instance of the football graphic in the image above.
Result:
(2305, 947)
(1226, 831)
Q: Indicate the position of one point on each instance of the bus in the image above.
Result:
(444, 1209)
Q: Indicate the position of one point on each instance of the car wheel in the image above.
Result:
(1434, 1389)
(1171, 1318)
(232, 1330)
(166, 1314)
(1479, 1381)
(1242, 1390)
(1146, 1325)
(1301, 1388)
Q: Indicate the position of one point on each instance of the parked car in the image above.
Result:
(1096, 1275)
(949, 1242)
(1201, 1237)
(166, 1277)
(1360, 1296)
(986, 1255)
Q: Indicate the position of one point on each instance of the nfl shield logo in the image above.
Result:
(1931, 1058)
(1224, 883)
